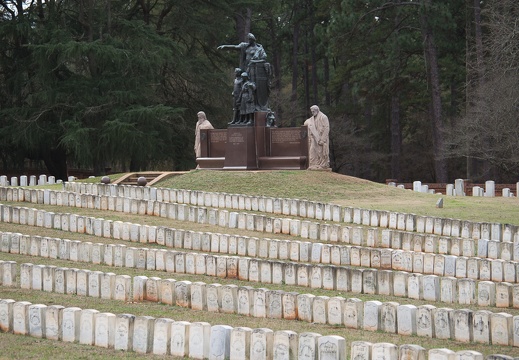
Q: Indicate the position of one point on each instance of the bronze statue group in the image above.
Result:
(252, 81)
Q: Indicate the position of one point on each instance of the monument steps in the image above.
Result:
(211, 163)
(152, 177)
(283, 162)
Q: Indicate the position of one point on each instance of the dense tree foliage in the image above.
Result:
(415, 89)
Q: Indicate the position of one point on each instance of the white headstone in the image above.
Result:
(285, 345)
(53, 322)
(481, 326)
(441, 354)
(372, 315)
(388, 317)
(384, 351)
(459, 186)
(143, 327)
(486, 293)
(411, 352)
(308, 346)
(462, 321)
(360, 350)
(261, 344)
(406, 319)
(6, 315)
(443, 323)
(331, 347)
(501, 326)
(220, 342)
(240, 343)
(123, 338)
(468, 355)
(37, 320)
(199, 340)
(21, 317)
(179, 345)
(71, 324)
(87, 326)
(105, 330)
(417, 186)
(490, 188)
(354, 313)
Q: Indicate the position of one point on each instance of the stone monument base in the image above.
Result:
(240, 151)
(282, 162)
(215, 163)
(254, 147)
(320, 169)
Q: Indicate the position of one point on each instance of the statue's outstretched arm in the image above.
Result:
(228, 47)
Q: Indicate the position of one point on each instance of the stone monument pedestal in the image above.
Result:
(240, 152)
(255, 147)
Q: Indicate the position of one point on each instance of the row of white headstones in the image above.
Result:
(457, 189)
(32, 180)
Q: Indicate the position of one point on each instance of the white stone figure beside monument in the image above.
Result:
(202, 123)
(318, 140)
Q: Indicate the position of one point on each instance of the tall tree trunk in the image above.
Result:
(313, 54)
(315, 92)
(478, 39)
(146, 8)
(56, 162)
(306, 74)
(468, 78)
(108, 17)
(295, 65)
(327, 96)
(276, 64)
(473, 92)
(396, 131)
(41, 13)
(276, 56)
(433, 77)
(396, 137)
(482, 168)
(243, 20)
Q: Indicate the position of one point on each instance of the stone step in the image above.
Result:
(151, 177)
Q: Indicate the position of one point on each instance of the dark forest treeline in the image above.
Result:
(415, 90)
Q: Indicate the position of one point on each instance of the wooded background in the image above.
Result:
(414, 90)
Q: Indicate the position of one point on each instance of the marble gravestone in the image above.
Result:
(308, 346)
(220, 342)
(199, 340)
(179, 345)
(285, 345)
(162, 336)
(331, 347)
